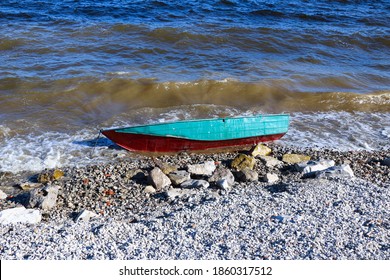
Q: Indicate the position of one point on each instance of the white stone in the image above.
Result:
(179, 176)
(158, 179)
(206, 168)
(336, 171)
(224, 184)
(313, 166)
(45, 198)
(222, 174)
(190, 184)
(85, 216)
(3, 195)
(20, 215)
(271, 177)
(149, 189)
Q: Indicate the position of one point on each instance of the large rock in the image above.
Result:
(179, 176)
(20, 215)
(310, 167)
(158, 179)
(295, 158)
(223, 177)
(336, 171)
(260, 150)
(247, 175)
(191, 184)
(167, 168)
(242, 161)
(206, 168)
(45, 198)
(271, 161)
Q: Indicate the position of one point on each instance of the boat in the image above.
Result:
(200, 135)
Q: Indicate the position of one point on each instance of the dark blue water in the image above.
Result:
(68, 68)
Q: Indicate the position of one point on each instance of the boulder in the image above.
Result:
(247, 175)
(191, 184)
(167, 168)
(271, 178)
(20, 215)
(295, 158)
(205, 169)
(271, 161)
(158, 179)
(85, 216)
(179, 176)
(45, 198)
(222, 176)
(242, 161)
(260, 150)
(336, 171)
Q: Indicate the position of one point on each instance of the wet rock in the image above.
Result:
(20, 215)
(260, 150)
(179, 176)
(205, 169)
(247, 175)
(242, 161)
(158, 179)
(336, 171)
(271, 161)
(85, 216)
(295, 158)
(44, 198)
(310, 167)
(271, 178)
(191, 184)
(222, 176)
(3, 195)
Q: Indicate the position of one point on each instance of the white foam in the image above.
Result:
(339, 130)
(49, 150)
(334, 130)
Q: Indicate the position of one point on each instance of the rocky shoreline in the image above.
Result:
(273, 202)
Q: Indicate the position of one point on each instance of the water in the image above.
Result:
(70, 68)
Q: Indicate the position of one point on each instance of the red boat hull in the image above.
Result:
(159, 144)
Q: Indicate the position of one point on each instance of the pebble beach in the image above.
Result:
(204, 206)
